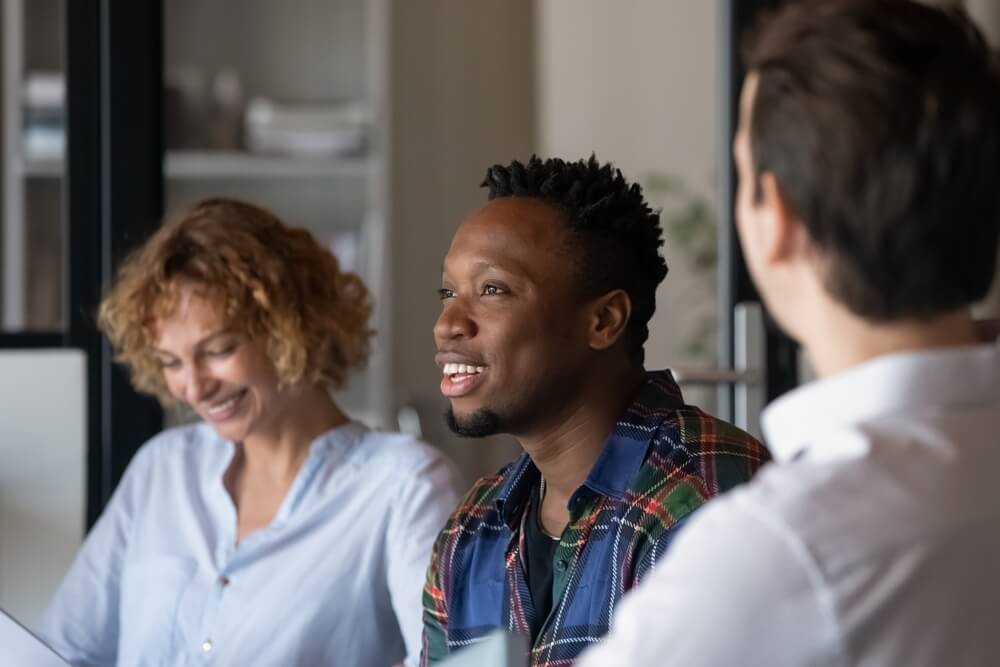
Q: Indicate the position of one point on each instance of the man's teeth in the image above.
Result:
(222, 407)
(462, 369)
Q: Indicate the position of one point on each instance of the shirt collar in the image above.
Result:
(901, 382)
(623, 454)
(329, 447)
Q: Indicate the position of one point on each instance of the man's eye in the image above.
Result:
(445, 293)
(492, 290)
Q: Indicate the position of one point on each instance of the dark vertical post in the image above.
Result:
(114, 199)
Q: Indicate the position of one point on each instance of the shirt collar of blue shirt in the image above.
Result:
(624, 450)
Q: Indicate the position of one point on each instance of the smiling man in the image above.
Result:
(546, 294)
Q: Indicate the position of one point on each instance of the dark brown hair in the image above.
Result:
(880, 121)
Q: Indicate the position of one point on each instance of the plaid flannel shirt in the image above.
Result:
(663, 460)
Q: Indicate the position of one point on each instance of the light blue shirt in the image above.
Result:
(335, 579)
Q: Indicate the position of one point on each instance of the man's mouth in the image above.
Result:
(460, 379)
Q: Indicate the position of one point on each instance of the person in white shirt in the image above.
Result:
(868, 211)
(277, 531)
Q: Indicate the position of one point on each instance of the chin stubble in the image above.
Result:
(479, 424)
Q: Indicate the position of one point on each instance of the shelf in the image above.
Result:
(207, 164)
(237, 164)
(40, 168)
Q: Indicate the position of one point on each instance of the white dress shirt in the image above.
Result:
(874, 538)
(335, 579)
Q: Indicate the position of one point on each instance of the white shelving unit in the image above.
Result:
(315, 52)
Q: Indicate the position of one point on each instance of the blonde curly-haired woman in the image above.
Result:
(276, 531)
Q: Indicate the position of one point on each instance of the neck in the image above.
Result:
(858, 341)
(566, 448)
(277, 450)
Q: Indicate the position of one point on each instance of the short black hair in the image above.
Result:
(880, 121)
(618, 233)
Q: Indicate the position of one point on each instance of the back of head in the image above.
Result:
(880, 121)
(618, 235)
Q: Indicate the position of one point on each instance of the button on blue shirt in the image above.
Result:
(334, 579)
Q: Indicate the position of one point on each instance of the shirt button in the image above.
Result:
(206, 646)
(561, 565)
(223, 581)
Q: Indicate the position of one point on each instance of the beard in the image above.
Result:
(480, 424)
(520, 412)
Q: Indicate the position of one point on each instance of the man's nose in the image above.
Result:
(454, 322)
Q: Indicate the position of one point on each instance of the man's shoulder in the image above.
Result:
(693, 432)
(692, 427)
(693, 457)
(678, 428)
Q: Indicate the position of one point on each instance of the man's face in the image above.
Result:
(747, 204)
(759, 216)
(511, 336)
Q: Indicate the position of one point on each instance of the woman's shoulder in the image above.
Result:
(395, 455)
(409, 470)
(392, 447)
(183, 436)
(177, 444)
(169, 461)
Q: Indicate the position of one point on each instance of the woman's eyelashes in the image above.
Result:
(168, 364)
(223, 351)
(215, 352)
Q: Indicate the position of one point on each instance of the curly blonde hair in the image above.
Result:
(276, 284)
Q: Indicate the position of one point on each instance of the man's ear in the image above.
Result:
(781, 232)
(609, 316)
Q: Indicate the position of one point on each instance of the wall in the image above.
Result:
(636, 81)
(462, 98)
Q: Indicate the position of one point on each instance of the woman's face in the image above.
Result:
(226, 377)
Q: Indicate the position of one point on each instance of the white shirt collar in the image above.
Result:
(902, 382)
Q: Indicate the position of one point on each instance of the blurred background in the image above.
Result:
(372, 123)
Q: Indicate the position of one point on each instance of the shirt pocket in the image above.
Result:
(477, 603)
(152, 588)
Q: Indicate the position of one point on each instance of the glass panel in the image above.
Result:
(279, 113)
(33, 259)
